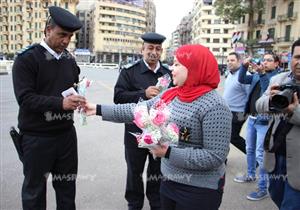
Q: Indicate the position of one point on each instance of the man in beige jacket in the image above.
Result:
(282, 143)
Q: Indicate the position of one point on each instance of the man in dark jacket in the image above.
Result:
(257, 124)
(48, 138)
(134, 83)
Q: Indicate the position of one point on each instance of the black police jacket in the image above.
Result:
(130, 88)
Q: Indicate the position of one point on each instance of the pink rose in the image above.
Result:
(164, 82)
(160, 118)
(174, 128)
(138, 120)
(148, 139)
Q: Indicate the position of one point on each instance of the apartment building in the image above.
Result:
(210, 30)
(22, 22)
(115, 32)
(275, 28)
(150, 15)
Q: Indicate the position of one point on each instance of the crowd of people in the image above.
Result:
(192, 171)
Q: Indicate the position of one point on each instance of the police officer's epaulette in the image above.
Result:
(130, 65)
(25, 49)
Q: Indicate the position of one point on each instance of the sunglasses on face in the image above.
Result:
(268, 60)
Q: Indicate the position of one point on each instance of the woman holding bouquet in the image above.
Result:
(193, 171)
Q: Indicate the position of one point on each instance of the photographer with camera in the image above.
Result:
(257, 124)
(282, 145)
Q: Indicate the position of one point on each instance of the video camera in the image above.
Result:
(282, 99)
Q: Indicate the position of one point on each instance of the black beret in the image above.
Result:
(153, 38)
(64, 19)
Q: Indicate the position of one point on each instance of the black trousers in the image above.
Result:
(135, 159)
(43, 155)
(238, 120)
(177, 196)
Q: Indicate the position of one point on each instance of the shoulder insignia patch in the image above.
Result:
(129, 65)
(25, 49)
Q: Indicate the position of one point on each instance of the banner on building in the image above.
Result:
(139, 3)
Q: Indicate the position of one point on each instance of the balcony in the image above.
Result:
(19, 32)
(5, 22)
(19, 22)
(19, 12)
(19, 40)
(29, 18)
(285, 39)
(4, 14)
(29, 8)
(4, 3)
(18, 3)
(287, 17)
(259, 23)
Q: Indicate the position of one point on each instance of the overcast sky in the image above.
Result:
(169, 14)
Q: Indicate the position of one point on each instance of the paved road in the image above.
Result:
(102, 168)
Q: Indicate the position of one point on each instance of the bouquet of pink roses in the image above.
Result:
(155, 125)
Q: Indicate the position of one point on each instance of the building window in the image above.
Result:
(208, 31)
(217, 21)
(273, 12)
(257, 34)
(208, 40)
(217, 31)
(225, 31)
(287, 33)
(216, 49)
(259, 18)
(216, 40)
(271, 33)
(244, 19)
(66, 5)
(209, 22)
(290, 9)
(225, 40)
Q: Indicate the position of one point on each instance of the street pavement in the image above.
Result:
(102, 168)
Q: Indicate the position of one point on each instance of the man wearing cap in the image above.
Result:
(49, 143)
(134, 83)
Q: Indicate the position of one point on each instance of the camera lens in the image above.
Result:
(282, 99)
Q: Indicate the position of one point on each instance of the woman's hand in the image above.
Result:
(159, 150)
(90, 109)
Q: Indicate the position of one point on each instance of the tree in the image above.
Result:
(234, 10)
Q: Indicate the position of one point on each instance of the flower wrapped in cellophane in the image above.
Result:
(155, 125)
(163, 82)
(82, 86)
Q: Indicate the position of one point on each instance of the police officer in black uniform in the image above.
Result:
(48, 138)
(134, 83)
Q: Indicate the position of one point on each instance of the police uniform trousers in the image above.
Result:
(44, 155)
(135, 159)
